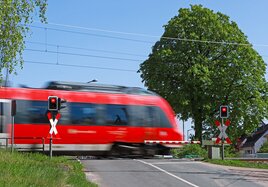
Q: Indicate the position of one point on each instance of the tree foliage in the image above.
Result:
(203, 60)
(15, 17)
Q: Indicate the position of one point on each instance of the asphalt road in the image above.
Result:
(170, 172)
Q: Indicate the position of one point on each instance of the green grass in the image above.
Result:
(26, 169)
(238, 163)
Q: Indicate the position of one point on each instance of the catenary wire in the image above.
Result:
(80, 66)
(90, 34)
(90, 49)
(86, 49)
(83, 55)
(152, 36)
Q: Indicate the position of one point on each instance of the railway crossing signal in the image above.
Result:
(224, 111)
(223, 134)
(53, 123)
(53, 103)
(53, 128)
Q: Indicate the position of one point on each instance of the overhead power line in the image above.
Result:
(86, 49)
(95, 50)
(151, 36)
(103, 30)
(90, 34)
(83, 55)
(80, 66)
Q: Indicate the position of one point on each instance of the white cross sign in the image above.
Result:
(222, 130)
(223, 134)
(53, 123)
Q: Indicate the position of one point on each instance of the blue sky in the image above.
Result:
(56, 44)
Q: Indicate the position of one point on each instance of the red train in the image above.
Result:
(97, 119)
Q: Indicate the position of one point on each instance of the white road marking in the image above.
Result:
(160, 169)
(181, 162)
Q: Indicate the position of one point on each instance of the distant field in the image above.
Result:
(25, 169)
(238, 163)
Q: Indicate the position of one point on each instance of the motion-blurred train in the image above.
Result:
(97, 119)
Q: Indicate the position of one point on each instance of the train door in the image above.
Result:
(5, 119)
(141, 123)
(116, 120)
(150, 130)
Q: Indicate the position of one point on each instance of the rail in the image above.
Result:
(24, 138)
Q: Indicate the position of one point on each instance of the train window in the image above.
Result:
(65, 115)
(31, 112)
(116, 115)
(5, 115)
(161, 119)
(37, 112)
(138, 116)
(1, 109)
(2, 116)
(100, 112)
(22, 114)
(83, 113)
(147, 116)
(151, 116)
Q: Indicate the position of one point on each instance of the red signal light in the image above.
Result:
(224, 113)
(53, 100)
(53, 103)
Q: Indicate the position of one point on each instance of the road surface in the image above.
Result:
(170, 172)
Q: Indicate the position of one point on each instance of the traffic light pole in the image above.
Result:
(50, 146)
(222, 141)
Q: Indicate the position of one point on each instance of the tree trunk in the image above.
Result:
(198, 129)
(198, 125)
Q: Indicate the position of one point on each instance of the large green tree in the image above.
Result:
(15, 17)
(202, 61)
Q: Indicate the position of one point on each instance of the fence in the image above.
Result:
(7, 145)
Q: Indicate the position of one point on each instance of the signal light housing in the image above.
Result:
(224, 111)
(53, 103)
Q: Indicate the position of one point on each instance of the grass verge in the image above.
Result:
(239, 163)
(28, 169)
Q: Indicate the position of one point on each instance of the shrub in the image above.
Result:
(229, 151)
(264, 148)
(191, 150)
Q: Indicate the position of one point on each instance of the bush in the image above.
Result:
(230, 152)
(190, 151)
(264, 148)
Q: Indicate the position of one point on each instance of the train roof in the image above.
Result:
(96, 87)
